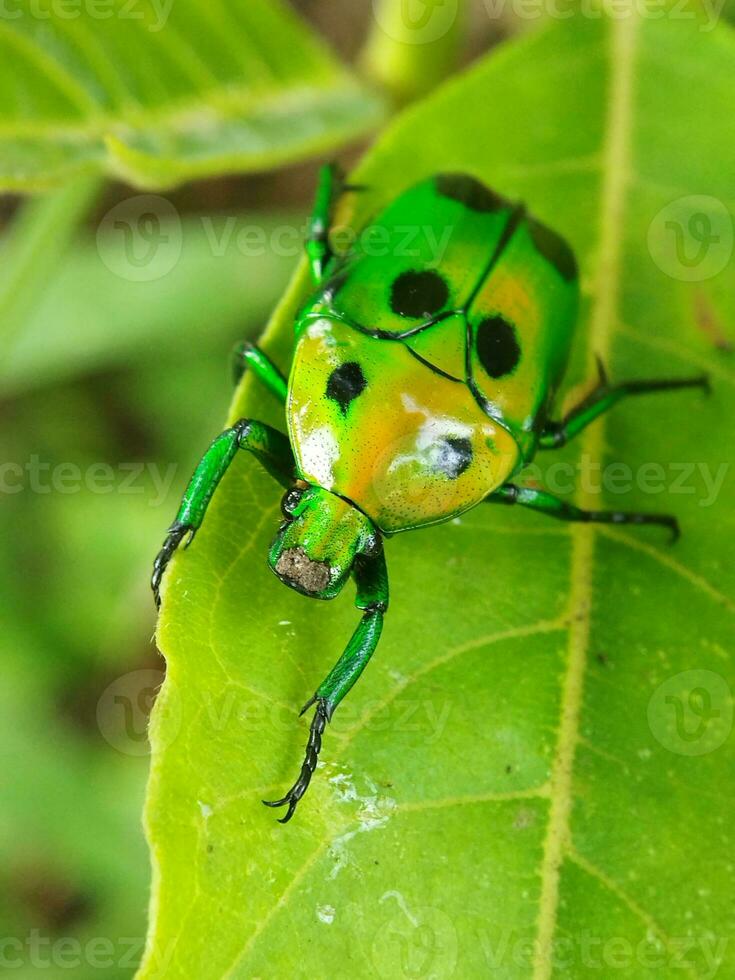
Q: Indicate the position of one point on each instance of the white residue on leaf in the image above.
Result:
(325, 913)
(284, 622)
(205, 809)
(373, 812)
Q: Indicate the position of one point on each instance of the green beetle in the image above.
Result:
(419, 388)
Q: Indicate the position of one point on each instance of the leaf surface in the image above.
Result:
(161, 91)
(528, 779)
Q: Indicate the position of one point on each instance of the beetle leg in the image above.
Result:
(605, 395)
(318, 248)
(269, 446)
(249, 355)
(546, 503)
(371, 579)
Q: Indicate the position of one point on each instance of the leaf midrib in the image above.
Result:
(616, 174)
(615, 170)
(235, 103)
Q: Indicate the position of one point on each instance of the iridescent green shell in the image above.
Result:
(425, 367)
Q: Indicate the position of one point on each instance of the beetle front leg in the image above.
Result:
(605, 395)
(269, 446)
(371, 578)
(318, 248)
(249, 355)
(547, 503)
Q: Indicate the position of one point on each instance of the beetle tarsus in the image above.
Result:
(625, 517)
(173, 539)
(313, 747)
(674, 527)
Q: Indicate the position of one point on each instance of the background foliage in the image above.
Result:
(382, 865)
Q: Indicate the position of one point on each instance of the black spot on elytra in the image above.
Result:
(469, 192)
(345, 383)
(554, 249)
(497, 346)
(418, 294)
(454, 455)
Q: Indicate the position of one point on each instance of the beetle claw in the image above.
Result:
(313, 746)
(173, 539)
(308, 704)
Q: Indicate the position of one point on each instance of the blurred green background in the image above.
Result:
(115, 337)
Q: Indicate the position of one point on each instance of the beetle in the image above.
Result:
(418, 389)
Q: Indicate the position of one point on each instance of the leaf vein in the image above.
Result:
(616, 170)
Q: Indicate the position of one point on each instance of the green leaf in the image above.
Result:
(157, 92)
(201, 286)
(531, 779)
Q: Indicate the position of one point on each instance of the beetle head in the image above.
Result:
(318, 541)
